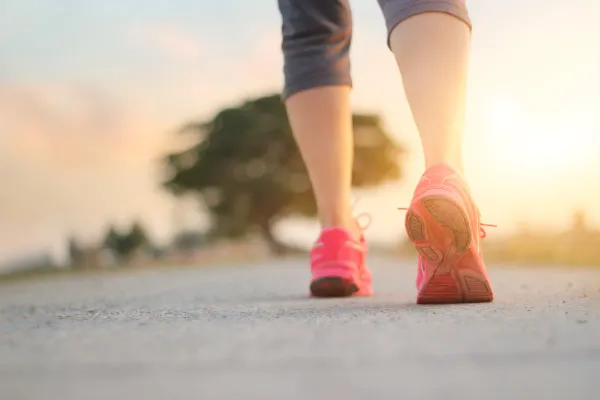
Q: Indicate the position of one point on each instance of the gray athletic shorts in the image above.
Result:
(317, 35)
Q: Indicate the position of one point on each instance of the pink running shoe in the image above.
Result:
(338, 265)
(443, 223)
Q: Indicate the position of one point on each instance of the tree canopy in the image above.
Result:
(249, 173)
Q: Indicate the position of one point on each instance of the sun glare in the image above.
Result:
(529, 143)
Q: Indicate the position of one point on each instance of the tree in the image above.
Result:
(137, 237)
(249, 173)
(579, 223)
(76, 253)
(112, 240)
(188, 240)
(123, 245)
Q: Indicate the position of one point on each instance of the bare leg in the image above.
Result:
(322, 125)
(432, 52)
(430, 39)
(316, 44)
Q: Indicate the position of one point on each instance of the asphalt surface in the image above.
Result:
(252, 333)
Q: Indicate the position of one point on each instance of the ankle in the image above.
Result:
(456, 165)
(342, 222)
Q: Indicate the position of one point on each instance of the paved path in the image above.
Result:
(252, 333)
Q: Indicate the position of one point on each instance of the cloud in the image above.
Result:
(168, 39)
(63, 123)
(72, 158)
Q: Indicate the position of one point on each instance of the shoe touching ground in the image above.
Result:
(338, 265)
(443, 224)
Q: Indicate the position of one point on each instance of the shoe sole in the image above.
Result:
(333, 286)
(441, 232)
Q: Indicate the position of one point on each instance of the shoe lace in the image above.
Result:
(357, 218)
(482, 232)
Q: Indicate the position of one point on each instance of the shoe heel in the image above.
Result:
(441, 289)
(475, 287)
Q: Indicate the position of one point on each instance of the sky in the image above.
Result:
(91, 94)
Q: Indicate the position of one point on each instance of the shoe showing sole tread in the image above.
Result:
(414, 227)
(449, 283)
(450, 215)
(333, 286)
